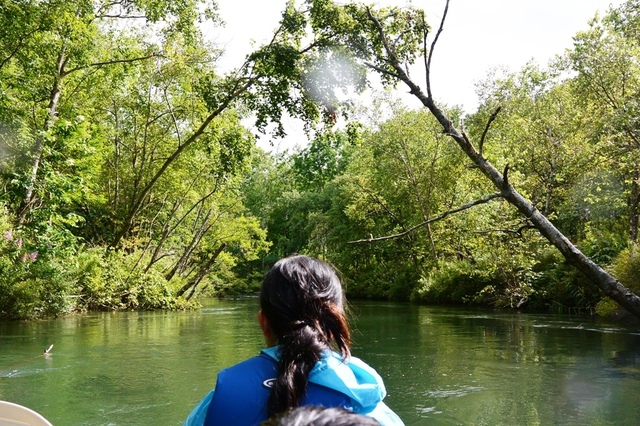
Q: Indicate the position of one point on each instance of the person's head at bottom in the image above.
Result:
(301, 309)
(320, 416)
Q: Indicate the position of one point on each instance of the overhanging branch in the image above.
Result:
(441, 216)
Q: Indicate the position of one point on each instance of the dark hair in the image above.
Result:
(302, 299)
(320, 416)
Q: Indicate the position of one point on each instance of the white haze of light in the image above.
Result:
(478, 36)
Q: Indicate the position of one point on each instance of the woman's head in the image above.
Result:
(302, 300)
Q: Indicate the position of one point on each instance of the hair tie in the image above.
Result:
(298, 324)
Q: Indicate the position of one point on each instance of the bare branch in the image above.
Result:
(415, 90)
(108, 10)
(486, 129)
(433, 45)
(106, 6)
(425, 34)
(399, 37)
(311, 46)
(482, 200)
(505, 178)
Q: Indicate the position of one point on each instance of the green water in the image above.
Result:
(442, 366)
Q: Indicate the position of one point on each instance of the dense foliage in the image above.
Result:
(129, 181)
(120, 175)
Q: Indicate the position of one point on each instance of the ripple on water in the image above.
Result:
(24, 372)
(9, 374)
(428, 410)
(604, 330)
(219, 311)
(453, 392)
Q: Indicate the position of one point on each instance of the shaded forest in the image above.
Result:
(129, 180)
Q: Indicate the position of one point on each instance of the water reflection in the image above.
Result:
(442, 366)
(479, 367)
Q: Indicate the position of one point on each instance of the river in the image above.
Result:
(441, 366)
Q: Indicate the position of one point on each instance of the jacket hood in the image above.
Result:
(353, 378)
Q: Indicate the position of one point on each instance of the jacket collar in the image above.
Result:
(353, 377)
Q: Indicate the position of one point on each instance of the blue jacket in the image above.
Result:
(242, 391)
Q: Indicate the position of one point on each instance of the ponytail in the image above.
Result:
(302, 299)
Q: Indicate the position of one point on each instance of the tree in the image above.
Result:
(122, 135)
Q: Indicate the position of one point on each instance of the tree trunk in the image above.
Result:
(634, 207)
(202, 272)
(38, 149)
(180, 265)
